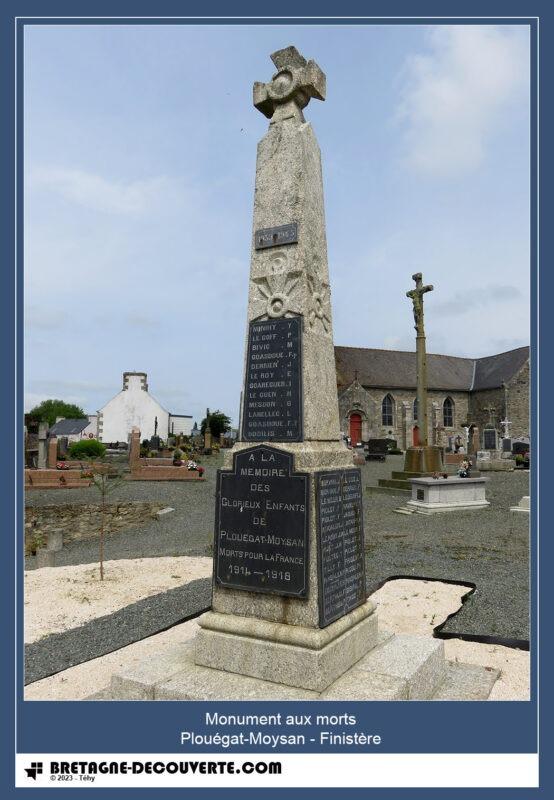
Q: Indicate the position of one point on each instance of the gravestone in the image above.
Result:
(289, 543)
(42, 446)
(489, 439)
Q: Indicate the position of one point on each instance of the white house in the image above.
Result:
(134, 406)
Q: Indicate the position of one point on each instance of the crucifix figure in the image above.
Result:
(416, 296)
(291, 88)
(417, 299)
(491, 410)
(155, 426)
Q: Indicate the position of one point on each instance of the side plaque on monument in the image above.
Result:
(341, 558)
(261, 526)
(273, 391)
(275, 237)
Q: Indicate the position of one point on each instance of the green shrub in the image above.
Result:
(519, 459)
(87, 448)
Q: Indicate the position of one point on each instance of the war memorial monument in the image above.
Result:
(290, 618)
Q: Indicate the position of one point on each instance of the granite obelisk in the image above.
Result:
(289, 600)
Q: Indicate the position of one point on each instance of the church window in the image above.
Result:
(448, 413)
(387, 410)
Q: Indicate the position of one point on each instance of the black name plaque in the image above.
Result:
(274, 237)
(341, 558)
(261, 524)
(272, 408)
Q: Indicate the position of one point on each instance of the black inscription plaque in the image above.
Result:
(489, 439)
(273, 390)
(340, 542)
(274, 237)
(261, 524)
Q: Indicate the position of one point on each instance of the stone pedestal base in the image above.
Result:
(423, 459)
(430, 495)
(418, 462)
(297, 656)
(401, 667)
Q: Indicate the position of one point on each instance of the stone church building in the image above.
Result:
(377, 396)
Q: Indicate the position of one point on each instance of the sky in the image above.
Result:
(140, 155)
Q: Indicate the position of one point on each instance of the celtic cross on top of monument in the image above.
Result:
(291, 88)
(417, 298)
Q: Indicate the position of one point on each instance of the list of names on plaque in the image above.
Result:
(340, 539)
(261, 530)
(273, 390)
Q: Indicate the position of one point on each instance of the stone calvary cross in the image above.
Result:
(416, 296)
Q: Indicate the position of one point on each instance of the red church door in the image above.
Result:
(415, 436)
(355, 429)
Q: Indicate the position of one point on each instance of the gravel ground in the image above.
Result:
(403, 606)
(488, 549)
(134, 622)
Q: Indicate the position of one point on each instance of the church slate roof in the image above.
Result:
(493, 371)
(396, 369)
(66, 427)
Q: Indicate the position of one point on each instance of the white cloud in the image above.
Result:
(97, 193)
(452, 98)
(491, 295)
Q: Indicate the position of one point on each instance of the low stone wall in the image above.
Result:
(82, 521)
(154, 473)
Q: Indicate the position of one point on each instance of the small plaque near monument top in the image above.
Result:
(274, 237)
(341, 558)
(273, 389)
(261, 536)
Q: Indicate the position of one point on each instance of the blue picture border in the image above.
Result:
(499, 727)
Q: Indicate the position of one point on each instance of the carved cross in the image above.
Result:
(491, 411)
(291, 88)
(417, 297)
(506, 424)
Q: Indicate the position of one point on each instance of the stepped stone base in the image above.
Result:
(385, 490)
(401, 667)
(306, 658)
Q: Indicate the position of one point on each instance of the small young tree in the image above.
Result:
(218, 423)
(106, 485)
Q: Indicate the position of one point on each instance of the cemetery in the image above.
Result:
(279, 568)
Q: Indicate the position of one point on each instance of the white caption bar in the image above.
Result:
(297, 770)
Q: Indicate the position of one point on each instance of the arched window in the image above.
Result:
(448, 413)
(415, 409)
(387, 407)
